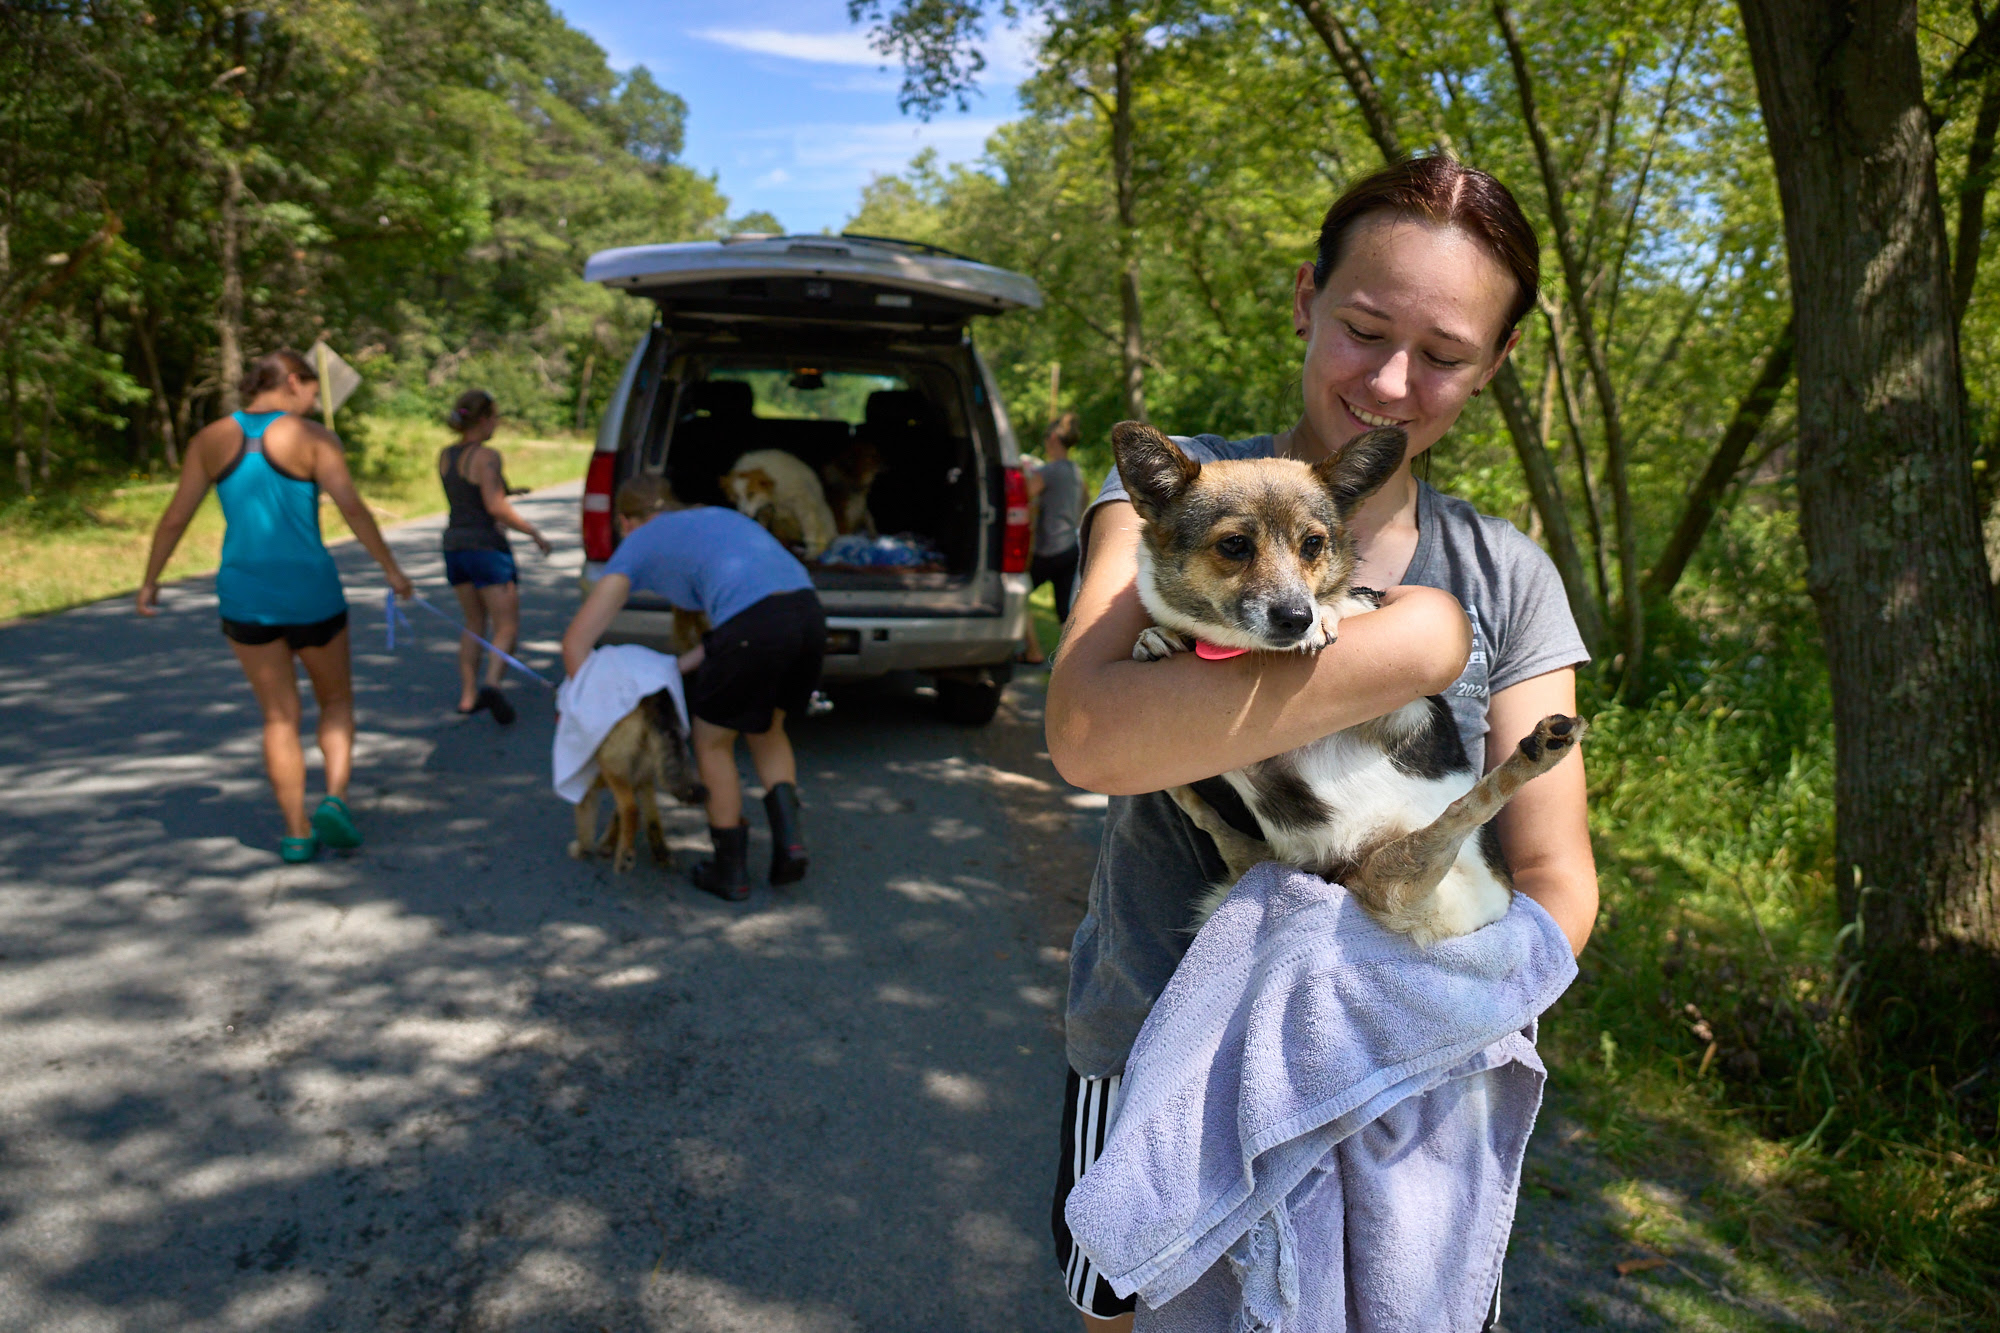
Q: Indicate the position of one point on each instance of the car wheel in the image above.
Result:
(970, 703)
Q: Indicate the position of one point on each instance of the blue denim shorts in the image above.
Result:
(482, 569)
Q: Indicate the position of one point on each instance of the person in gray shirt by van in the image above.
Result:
(1424, 271)
(1058, 486)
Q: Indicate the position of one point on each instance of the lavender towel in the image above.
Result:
(1308, 1078)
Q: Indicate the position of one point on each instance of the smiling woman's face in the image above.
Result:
(1405, 329)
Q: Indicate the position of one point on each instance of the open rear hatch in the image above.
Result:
(815, 278)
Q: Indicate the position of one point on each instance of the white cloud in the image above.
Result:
(820, 48)
(777, 177)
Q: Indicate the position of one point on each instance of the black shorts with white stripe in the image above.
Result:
(1088, 1104)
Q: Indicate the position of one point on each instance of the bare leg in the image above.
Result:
(771, 754)
(1402, 873)
(333, 689)
(474, 608)
(1122, 1324)
(715, 756)
(269, 669)
(503, 613)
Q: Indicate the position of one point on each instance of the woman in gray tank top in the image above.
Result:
(478, 561)
(1056, 487)
(1423, 273)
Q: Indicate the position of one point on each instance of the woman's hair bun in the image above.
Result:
(473, 406)
(272, 371)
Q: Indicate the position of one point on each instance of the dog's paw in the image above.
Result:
(625, 859)
(1156, 644)
(1325, 631)
(1553, 737)
(577, 852)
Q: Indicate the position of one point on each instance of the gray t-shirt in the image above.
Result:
(1062, 507)
(1153, 863)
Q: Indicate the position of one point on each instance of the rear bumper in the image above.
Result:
(863, 646)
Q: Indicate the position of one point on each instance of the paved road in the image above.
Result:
(460, 1081)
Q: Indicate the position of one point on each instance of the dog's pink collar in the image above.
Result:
(1215, 652)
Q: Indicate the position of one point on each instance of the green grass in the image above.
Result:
(1716, 1021)
(69, 547)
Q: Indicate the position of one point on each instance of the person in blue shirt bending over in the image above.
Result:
(758, 663)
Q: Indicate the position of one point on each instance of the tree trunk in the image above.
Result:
(1132, 346)
(1886, 500)
(229, 317)
(1375, 113)
(1546, 492)
(1633, 635)
(583, 389)
(1751, 413)
(1972, 194)
(145, 326)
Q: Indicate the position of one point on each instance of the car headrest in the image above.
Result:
(898, 409)
(719, 398)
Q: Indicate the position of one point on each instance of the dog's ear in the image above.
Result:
(1153, 468)
(1359, 470)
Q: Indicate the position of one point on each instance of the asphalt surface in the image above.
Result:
(460, 1081)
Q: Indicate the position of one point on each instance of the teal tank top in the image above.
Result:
(275, 568)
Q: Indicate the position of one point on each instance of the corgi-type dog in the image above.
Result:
(646, 750)
(849, 475)
(782, 493)
(1256, 555)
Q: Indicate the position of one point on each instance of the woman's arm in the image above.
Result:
(1544, 831)
(1124, 727)
(494, 494)
(606, 600)
(330, 471)
(187, 497)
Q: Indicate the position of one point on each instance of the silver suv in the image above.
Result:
(817, 345)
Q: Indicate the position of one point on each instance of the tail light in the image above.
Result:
(598, 539)
(1016, 538)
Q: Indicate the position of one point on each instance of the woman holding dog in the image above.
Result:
(279, 590)
(757, 665)
(1423, 274)
(478, 560)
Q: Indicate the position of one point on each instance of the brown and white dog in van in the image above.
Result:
(645, 751)
(1256, 554)
(848, 476)
(782, 493)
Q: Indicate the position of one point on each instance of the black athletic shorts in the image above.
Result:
(764, 657)
(316, 635)
(1087, 1107)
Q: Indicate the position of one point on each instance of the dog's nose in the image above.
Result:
(1290, 620)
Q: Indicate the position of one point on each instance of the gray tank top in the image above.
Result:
(1062, 506)
(471, 528)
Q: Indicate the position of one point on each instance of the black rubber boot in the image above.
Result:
(728, 875)
(788, 844)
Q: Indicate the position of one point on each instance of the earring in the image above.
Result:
(1477, 392)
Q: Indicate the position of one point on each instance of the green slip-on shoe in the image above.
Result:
(297, 851)
(334, 823)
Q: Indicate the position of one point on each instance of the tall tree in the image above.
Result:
(1909, 618)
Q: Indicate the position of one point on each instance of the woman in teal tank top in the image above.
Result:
(278, 588)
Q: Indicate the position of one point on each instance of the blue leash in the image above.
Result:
(393, 615)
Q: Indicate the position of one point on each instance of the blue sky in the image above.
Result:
(787, 103)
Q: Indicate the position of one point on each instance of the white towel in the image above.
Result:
(608, 685)
(1308, 1077)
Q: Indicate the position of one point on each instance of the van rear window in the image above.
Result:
(808, 392)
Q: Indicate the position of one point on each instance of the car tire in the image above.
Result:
(970, 703)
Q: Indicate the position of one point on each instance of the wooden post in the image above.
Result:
(325, 386)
